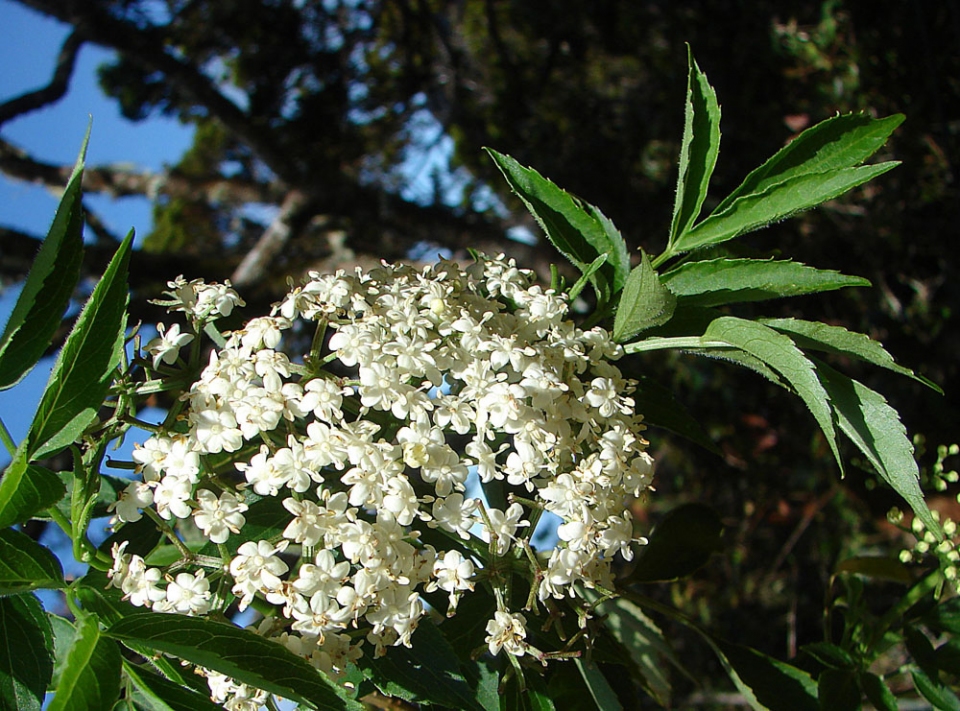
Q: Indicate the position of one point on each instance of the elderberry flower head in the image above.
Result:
(368, 453)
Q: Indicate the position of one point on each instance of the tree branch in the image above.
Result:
(52, 92)
(145, 46)
(122, 182)
(254, 265)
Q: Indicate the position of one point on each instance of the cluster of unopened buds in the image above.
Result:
(945, 550)
(412, 450)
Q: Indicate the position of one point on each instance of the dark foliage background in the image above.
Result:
(312, 107)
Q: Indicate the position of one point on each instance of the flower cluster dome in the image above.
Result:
(423, 390)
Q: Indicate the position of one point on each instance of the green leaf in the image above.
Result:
(837, 690)
(777, 202)
(829, 655)
(49, 285)
(767, 684)
(877, 692)
(603, 695)
(779, 352)
(698, 151)
(536, 696)
(64, 633)
(837, 143)
(645, 643)
(680, 544)
(645, 302)
(877, 568)
(945, 617)
(816, 336)
(947, 656)
(240, 654)
(577, 229)
(26, 565)
(715, 282)
(159, 694)
(110, 489)
(920, 648)
(936, 693)
(26, 653)
(871, 424)
(84, 368)
(427, 672)
(90, 678)
(661, 409)
(26, 490)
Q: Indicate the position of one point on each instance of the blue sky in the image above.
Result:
(29, 43)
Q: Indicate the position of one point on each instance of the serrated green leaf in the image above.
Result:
(877, 568)
(90, 678)
(26, 565)
(26, 653)
(837, 690)
(680, 544)
(871, 424)
(698, 151)
(84, 368)
(240, 654)
(159, 694)
(49, 285)
(744, 360)
(427, 672)
(777, 202)
(780, 353)
(26, 490)
(715, 282)
(603, 695)
(661, 409)
(836, 143)
(816, 336)
(877, 692)
(577, 229)
(644, 304)
(767, 684)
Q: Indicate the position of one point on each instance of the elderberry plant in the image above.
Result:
(360, 473)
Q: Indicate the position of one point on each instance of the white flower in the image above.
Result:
(503, 526)
(219, 517)
(256, 568)
(455, 514)
(171, 496)
(216, 430)
(165, 348)
(136, 496)
(506, 631)
(453, 574)
(188, 594)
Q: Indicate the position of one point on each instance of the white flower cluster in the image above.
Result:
(443, 375)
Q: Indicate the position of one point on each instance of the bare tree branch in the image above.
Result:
(258, 259)
(52, 92)
(118, 182)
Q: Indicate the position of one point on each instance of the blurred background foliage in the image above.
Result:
(309, 116)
